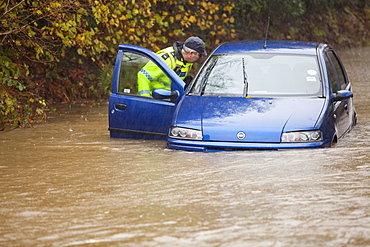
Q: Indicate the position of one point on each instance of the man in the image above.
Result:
(179, 57)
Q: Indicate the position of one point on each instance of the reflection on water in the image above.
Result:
(66, 183)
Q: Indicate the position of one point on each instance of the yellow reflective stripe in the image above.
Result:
(147, 75)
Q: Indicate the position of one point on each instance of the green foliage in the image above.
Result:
(10, 73)
(15, 114)
(283, 15)
(104, 80)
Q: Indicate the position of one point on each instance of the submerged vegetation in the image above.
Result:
(63, 51)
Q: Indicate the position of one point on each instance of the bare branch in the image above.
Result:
(15, 6)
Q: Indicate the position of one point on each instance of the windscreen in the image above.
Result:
(264, 75)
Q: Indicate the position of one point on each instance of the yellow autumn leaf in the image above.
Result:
(39, 111)
(192, 19)
(153, 39)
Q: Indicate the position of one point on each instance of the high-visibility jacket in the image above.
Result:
(151, 76)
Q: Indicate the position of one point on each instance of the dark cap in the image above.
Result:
(196, 44)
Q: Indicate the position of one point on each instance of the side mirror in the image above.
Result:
(165, 94)
(342, 94)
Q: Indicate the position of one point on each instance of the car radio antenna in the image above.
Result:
(267, 30)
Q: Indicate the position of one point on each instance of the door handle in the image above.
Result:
(120, 106)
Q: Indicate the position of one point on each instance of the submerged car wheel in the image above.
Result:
(334, 141)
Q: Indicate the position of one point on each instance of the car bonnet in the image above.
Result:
(248, 119)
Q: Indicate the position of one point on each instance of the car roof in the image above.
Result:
(272, 46)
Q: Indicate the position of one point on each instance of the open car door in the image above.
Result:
(134, 116)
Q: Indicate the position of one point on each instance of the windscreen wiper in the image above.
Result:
(245, 77)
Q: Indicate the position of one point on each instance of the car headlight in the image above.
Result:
(184, 133)
(302, 136)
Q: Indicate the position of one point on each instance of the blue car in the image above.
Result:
(246, 95)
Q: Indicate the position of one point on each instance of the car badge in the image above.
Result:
(240, 135)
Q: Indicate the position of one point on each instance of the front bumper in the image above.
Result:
(208, 146)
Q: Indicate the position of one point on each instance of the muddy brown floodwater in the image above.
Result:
(66, 183)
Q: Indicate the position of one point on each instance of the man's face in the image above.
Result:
(191, 57)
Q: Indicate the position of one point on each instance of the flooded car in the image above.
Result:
(247, 95)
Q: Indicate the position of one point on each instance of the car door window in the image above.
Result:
(333, 79)
(131, 64)
(339, 70)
